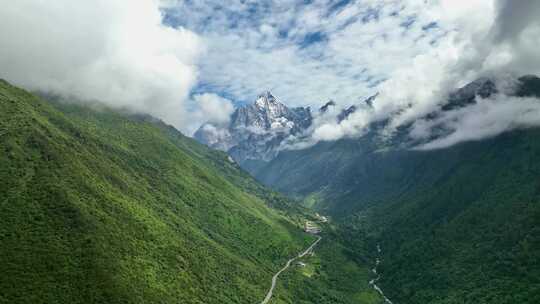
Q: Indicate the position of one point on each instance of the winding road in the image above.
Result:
(275, 277)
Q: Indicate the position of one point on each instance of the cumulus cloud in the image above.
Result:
(213, 108)
(307, 53)
(507, 47)
(483, 38)
(174, 59)
(514, 17)
(352, 126)
(412, 52)
(114, 51)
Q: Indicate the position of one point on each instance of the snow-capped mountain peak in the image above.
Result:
(256, 130)
(265, 99)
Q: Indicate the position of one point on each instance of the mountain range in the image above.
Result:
(256, 132)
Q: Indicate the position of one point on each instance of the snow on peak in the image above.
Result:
(281, 123)
(257, 130)
(265, 100)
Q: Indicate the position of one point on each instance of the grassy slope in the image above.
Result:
(97, 207)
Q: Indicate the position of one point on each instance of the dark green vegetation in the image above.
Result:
(473, 236)
(102, 207)
(456, 225)
(333, 275)
(466, 230)
(99, 207)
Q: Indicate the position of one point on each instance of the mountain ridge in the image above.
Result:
(255, 131)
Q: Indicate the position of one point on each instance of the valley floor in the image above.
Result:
(330, 274)
(287, 265)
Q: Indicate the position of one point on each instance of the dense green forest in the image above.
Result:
(455, 225)
(100, 207)
(335, 274)
(458, 225)
(467, 234)
(473, 236)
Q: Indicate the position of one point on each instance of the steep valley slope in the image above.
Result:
(102, 207)
(456, 225)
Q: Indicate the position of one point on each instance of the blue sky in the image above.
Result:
(305, 52)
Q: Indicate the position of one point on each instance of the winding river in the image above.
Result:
(374, 281)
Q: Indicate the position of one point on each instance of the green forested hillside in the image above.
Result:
(455, 225)
(474, 235)
(349, 174)
(102, 207)
(335, 274)
(99, 207)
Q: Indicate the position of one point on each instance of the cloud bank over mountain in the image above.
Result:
(485, 119)
(496, 39)
(213, 108)
(114, 51)
(187, 62)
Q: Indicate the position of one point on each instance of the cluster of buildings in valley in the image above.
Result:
(310, 227)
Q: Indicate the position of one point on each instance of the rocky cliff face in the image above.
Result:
(256, 131)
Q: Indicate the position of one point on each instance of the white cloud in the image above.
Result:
(472, 46)
(412, 52)
(487, 118)
(213, 108)
(251, 50)
(115, 51)
(328, 132)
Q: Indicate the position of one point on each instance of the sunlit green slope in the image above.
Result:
(99, 207)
